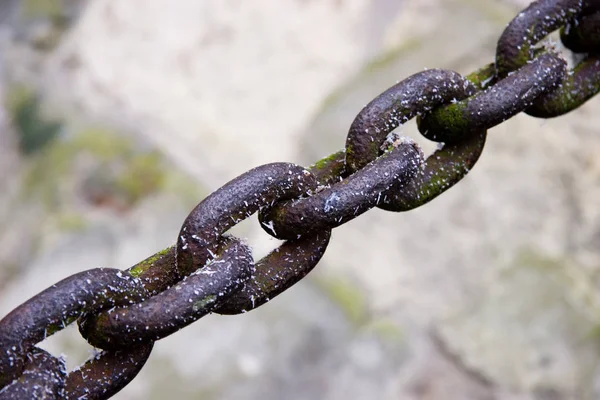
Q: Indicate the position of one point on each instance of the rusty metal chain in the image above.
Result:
(125, 312)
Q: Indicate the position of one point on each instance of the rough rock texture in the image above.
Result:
(488, 292)
(216, 75)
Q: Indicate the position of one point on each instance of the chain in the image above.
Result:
(125, 312)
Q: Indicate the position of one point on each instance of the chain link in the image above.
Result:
(124, 312)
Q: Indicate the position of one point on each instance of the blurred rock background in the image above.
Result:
(118, 117)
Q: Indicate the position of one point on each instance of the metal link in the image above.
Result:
(56, 307)
(415, 95)
(43, 378)
(516, 48)
(344, 200)
(447, 165)
(276, 272)
(234, 202)
(583, 34)
(496, 104)
(442, 170)
(124, 312)
(175, 308)
(107, 373)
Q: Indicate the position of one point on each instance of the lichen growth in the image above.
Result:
(348, 297)
(387, 330)
(116, 173)
(71, 222)
(34, 129)
(51, 9)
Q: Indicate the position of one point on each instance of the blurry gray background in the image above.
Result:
(119, 116)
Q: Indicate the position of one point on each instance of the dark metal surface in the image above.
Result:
(583, 34)
(180, 305)
(124, 312)
(234, 202)
(107, 373)
(516, 48)
(442, 170)
(43, 378)
(486, 109)
(415, 95)
(345, 200)
(276, 272)
(56, 307)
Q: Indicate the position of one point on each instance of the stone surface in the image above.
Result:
(216, 75)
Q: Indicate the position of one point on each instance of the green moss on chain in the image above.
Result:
(328, 170)
(143, 266)
(59, 326)
(324, 162)
(483, 77)
(450, 119)
(202, 303)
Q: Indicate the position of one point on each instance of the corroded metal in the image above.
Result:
(107, 372)
(276, 272)
(56, 307)
(167, 312)
(234, 202)
(43, 378)
(442, 170)
(124, 312)
(516, 48)
(344, 200)
(486, 109)
(415, 95)
(583, 34)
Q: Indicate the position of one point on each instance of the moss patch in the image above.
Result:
(99, 165)
(141, 267)
(202, 303)
(324, 162)
(35, 131)
(51, 9)
(387, 330)
(348, 297)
